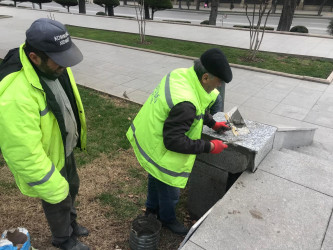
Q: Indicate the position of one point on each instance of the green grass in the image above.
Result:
(107, 124)
(307, 66)
(128, 198)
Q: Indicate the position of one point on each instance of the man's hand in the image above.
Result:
(217, 146)
(221, 127)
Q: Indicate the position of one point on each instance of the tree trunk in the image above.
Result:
(14, 3)
(106, 10)
(213, 12)
(147, 16)
(197, 7)
(232, 5)
(321, 7)
(68, 8)
(110, 11)
(82, 6)
(274, 4)
(180, 4)
(287, 15)
(40, 5)
(152, 14)
(188, 4)
(125, 2)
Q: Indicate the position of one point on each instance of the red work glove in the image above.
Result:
(219, 146)
(221, 126)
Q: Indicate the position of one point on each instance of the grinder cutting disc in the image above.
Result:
(236, 122)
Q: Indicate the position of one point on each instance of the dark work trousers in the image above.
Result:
(61, 215)
(162, 198)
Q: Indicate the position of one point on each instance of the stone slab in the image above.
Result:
(293, 137)
(207, 184)
(258, 142)
(234, 159)
(302, 169)
(258, 213)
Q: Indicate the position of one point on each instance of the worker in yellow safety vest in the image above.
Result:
(166, 133)
(41, 122)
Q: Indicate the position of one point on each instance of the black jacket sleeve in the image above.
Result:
(179, 121)
(209, 120)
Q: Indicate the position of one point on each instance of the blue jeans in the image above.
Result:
(162, 198)
(217, 106)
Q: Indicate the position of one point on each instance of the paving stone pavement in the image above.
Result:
(271, 99)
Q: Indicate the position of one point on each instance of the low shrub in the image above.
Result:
(299, 29)
(100, 13)
(205, 22)
(247, 27)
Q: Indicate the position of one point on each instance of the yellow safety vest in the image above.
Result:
(146, 131)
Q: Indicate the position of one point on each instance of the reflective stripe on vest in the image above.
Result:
(45, 179)
(44, 112)
(169, 99)
(163, 170)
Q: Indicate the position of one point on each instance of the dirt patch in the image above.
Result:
(107, 231)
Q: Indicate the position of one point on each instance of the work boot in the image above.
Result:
(72, 244)
(79, 230)
(176, 227)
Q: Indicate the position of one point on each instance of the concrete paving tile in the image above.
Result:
(229, 105)
(260, 104)
(121, 79)
(272, 94)
(323, 106)
(324, 136)
(297, 99)
(302, 169)
(245, 90)
(313, 85)
(117, 90)
(272, 119)
(257, 212)
(290, 111)
(136, 84)
(320, 118)
(284, 83)
(138, 96)
(235, 97)
(327, 97)
(328, 241)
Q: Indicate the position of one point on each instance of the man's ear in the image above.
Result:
(204, 78)
(35, 58)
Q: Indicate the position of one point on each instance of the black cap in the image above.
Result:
(52, 38)
(217, 64)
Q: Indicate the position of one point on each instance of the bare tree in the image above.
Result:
(321, 7)
(197, 7)
(188, 4)
(274, 4)
(82, 6)
(287, 15)
(256, 29)
(140, 17)
(213, 12)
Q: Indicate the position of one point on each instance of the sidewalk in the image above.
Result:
(275, 100)
(275, 42)
(262, 97)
